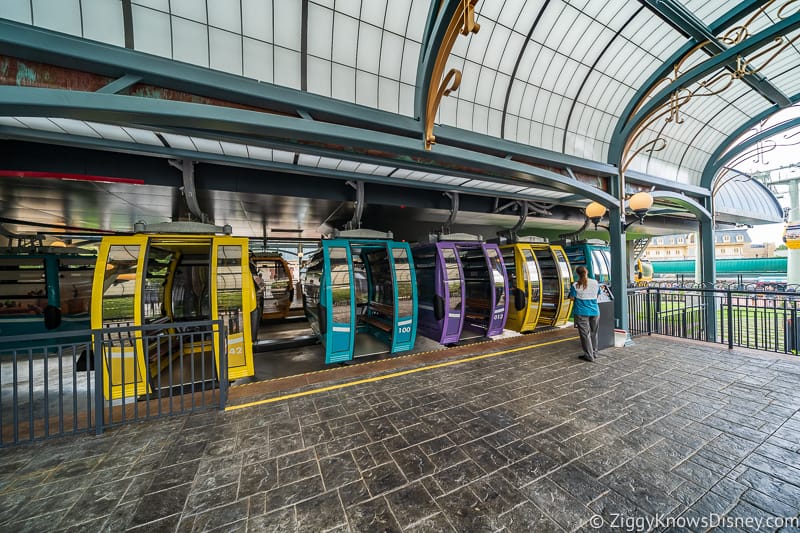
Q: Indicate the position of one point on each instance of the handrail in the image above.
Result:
(733, 314)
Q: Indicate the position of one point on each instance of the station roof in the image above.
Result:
(555, 97)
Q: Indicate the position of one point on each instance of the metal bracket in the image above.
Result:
(355, 222)
(189, 189)
(526, 207)
(523, 216)
(448, 226)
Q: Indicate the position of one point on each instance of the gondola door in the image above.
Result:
(524, 283)
(533, 277)
(117, 301)
(452, 280)
(234, 303)
(498, 289)
(405, 296)
(339, 302)
(565, 279)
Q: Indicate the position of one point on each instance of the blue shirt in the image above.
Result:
(585, 299)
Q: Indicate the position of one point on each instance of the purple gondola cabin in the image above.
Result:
(463, 290)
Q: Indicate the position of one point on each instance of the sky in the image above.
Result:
(766, 233)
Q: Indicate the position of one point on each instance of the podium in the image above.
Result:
(605, 333)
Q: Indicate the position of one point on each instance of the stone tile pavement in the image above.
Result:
(683, 434)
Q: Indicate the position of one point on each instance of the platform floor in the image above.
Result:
(515, 435)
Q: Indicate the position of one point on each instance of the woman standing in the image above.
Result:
(586, 312)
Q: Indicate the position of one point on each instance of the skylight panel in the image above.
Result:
(233, 149)
(257, 19)
(208, 146)
(306, 160)
(281, 156)
(142, 136)
(260, 153)
(181, 142)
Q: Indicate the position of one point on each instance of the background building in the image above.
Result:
(729, 243)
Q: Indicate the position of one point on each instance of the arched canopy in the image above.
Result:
(554, 95)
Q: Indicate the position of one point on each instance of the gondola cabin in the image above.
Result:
(556, 279)
(539, 279)
(643, 271)
(161, 278)
(485, 288)
(594, 255)
(45, 289)
(462, 288)
(791, 235)
(274, 280)
(360, 296)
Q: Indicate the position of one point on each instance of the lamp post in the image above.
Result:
(640, 203)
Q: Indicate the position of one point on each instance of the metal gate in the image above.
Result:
(58, 384)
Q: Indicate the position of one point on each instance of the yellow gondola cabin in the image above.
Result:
(146, 279)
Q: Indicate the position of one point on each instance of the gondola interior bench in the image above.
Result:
(380, 316)
(158, 346)
(478, 308)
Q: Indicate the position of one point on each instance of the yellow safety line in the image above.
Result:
(389, 376)
(394, 357)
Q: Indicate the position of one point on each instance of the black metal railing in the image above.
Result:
(73, 382)
(734, 314)
(42, 391)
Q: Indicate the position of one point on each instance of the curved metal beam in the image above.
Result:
(696, 73)
(725, 152)
(755, 139)
(454, 201)
(523, 216)
(435, 27)
(687, 22)
(227, 123)
(355, 222)
(715, 27)
(186, 167)
(693, 207)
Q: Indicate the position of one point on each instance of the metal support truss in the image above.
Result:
(650, 110)
(684, 20)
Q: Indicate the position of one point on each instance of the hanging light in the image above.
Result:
(594, 212)
(639, 203)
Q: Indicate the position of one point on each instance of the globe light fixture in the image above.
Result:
(594, 212)
(639, 203)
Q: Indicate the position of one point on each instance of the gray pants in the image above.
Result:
(587, 328)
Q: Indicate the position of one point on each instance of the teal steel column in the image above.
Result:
(793, 262)
(707, 262)
(697, 252)
(619, 268)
